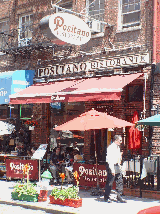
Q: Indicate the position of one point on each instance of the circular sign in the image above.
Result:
(69, 28)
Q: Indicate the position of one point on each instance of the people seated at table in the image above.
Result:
(77, 156)
(75, 146)
(56, 164)
(33, 149)
(20, 149)
(69, 168)
(29, 153)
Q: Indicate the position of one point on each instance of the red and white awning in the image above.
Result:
(91, 89)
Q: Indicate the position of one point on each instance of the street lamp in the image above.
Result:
(155, 110)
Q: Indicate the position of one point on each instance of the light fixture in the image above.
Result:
(155, 110)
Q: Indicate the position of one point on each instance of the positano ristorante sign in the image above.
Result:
(115, 62)
(69, 28)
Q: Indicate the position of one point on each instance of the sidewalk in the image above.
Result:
(91, 204)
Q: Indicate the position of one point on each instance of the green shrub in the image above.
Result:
(71, 193)
(22, 189)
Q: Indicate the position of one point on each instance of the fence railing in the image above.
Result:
(142, 172)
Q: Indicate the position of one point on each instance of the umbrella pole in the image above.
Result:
(96, 191)
(96, 159)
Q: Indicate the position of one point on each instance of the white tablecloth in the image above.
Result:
(130, 166)
(149, 166)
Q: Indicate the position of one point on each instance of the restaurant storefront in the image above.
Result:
(116, 85)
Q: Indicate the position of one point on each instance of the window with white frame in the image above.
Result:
(129, 13)
(4, 31)
(66, 4)
(95, 11)
(25, 30)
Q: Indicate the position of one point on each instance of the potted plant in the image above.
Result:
(66, 197)
(25, 192)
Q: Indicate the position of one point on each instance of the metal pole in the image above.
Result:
(158, 174)
(140, 181)
(96, 159)
(145, 77)
(39, 171)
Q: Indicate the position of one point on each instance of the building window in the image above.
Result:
(4, 31)
(129, 13)
(26, 110)
(96, 9)
(95, 12)
(66, 4)
(25, 30)
(135, 93)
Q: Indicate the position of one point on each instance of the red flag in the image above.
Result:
(134, 134)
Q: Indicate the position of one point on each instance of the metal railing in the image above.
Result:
(148, 175)
(27, 36)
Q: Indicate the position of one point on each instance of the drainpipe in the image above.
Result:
(145, 78)
(154, 30)
(150, 107)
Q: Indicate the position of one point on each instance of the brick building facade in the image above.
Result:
(129, 31)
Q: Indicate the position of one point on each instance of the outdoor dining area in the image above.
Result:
(138, 172)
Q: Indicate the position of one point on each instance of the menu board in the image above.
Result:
(40, 152)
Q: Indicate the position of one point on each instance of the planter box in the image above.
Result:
(14, 195)
(24, 197)
(67, 202)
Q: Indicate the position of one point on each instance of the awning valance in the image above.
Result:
(91, 89)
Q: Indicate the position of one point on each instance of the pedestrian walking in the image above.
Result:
(113, 159)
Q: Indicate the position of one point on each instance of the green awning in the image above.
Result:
(151, 121)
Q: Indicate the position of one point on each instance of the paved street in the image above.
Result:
(7, 209)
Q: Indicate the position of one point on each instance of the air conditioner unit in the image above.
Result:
(96, 26)
(24, 42)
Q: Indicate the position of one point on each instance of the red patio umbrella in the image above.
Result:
(93, 120)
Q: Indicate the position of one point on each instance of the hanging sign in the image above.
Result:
(14, 168)
(69, 28)
(88, 174)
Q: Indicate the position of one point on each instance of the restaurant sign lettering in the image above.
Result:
(88, 174)
(115, 62)
(69, 28)
(14, 168)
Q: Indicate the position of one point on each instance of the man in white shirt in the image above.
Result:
(113, 159)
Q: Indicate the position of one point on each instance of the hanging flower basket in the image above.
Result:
(31, 128)
(31, 124)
